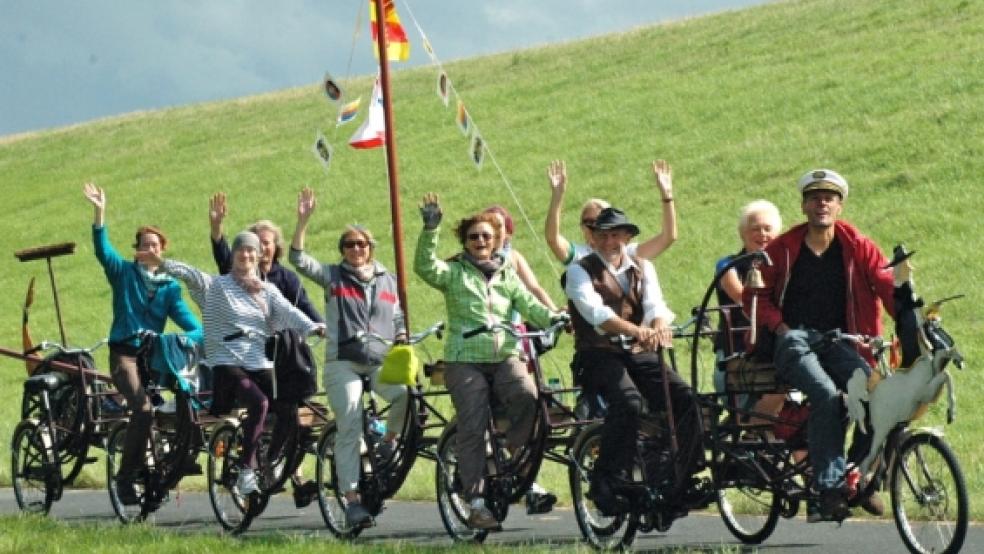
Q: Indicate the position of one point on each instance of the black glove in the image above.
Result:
(430, 212)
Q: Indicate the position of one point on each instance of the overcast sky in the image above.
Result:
(67, 61)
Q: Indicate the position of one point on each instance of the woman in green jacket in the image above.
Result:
(479, 289)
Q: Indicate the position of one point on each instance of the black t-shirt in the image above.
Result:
(816, 296)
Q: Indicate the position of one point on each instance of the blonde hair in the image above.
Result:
(764, 207)
(597, 203)
(278, 235)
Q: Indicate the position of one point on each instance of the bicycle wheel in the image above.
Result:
(450, 501)
(330, 498)
(600, 531)
(396, 466)
(68, 412)
(31, 473)
(224, 453)
(929, 496)
(127, 513)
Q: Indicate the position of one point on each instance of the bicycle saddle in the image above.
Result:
(42, 381)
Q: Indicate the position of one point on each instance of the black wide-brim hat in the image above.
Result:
(614, 218)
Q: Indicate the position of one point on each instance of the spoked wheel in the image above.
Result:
(929, 497)
(600, 531)
(749, 508)
(33, 477)
(127, 513)
(450, 499)
(224, 460)
(73, 440)
(330, 498)
(395, 466)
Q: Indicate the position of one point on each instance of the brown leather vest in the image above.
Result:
(627, 306)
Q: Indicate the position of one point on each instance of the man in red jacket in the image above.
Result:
(825, 275)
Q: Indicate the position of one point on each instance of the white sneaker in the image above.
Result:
(246, 483)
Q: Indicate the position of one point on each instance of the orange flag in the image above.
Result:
(397, 45)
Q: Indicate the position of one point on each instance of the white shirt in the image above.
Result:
(593, 309)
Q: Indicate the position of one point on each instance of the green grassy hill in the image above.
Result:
(889, 93)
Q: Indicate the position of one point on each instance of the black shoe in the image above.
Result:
(357, 516)
(191, 467)
(604, 498)
(125, 491)
(832, 507)
(305, 493)
(539, 502)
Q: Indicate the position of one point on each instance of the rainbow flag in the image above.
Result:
(348, 112)
(397, 44)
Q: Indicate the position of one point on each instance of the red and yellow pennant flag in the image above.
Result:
(397, 45)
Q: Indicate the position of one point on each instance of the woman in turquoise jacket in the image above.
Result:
(142, 300)
(480, 289)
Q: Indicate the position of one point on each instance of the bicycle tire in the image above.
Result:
(69, 414)
(529, 457)
(224, 459)
(127, 513)
(330, 499)
(929, 495)
(396, 468)
(599, 531)
(450, 503)
(31, 473)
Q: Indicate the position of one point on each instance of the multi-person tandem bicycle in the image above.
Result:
(758, 470)
(759, 467)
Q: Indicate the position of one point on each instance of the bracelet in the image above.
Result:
(667, 200)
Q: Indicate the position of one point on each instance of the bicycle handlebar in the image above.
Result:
(242, 332)
(364, 336)
(50, 345)
(547, 333)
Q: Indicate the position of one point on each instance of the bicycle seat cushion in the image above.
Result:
(44, 381)
(747, 376)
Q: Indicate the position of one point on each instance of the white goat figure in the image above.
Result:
(902, 396)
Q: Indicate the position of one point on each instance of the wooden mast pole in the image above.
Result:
(390, 143)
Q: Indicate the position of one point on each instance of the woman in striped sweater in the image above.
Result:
(241, 305)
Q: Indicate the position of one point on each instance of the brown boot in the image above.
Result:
(873, 504)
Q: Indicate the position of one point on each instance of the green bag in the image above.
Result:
(401, 366)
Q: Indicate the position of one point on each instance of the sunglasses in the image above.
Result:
(484, 236)
(588, 222)
(355, 244)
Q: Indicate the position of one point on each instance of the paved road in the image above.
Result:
(419, 523)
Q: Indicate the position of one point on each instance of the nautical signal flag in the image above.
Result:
(463, 119)
(397, 44)
(372, 133)
(348, 112)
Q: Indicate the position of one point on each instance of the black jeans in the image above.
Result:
(624, 380)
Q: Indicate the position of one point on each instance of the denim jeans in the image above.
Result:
(821, 375)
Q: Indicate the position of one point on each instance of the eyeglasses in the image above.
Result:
(355, 244)
(588, 222)
(484, 236)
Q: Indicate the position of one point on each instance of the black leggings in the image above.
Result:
(253, 391)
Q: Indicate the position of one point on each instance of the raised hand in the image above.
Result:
(217, 208)
(664, 178)
(557, 173)
(95, 195)
(430, 211)
(306, 203)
